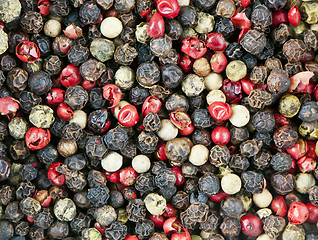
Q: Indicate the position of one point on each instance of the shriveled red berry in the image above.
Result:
(70, 76)
(216, 42)
(251, 225)
(64, 112)
(112, 93)
(156, 27)
(72, 31)
(44, 6)
(279, 206)
(179, 176)
(298, 213)
(37, 138)
(127, 176)
(311, 150)
(298, 150)
(9, 106)
(180, 119)
(55, 96)
(186, 62)
(193, 47)
(306, 164)
(27, 51)
(56, 177)
(151, 105)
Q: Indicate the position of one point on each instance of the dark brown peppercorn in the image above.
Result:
(313, 195)
(148, 74)
(31, 22)
(283, 183)
(273, 63)
(89, 12)
(178, 149)
(58, 230)
(294, 50)
(239, 163)
(230, 227)
(274, 225)
(5, 169)
(17, 79)
(43, 219)
(22, 228)
(125, 54)
(177, 102)
(77, 54)
(201, 137)
(151, 122)
(281, 34)
(13, 213)
(124, 6)
(263, 121)
(72, 131)
(25, 189)
(219, 155)
(278, 81)
(3, 130)
(259, 98)
(147, 142)
(92, 70)
(261, 16)
(250, 148)
(262, 160)
(232, 207)
(116, 139)
(209, 184)
(161, 46)
(238, 135)
(188, 16)
(6, 194)
(259, 75)
(196, 213)
(253, 42)
(285, 137)
(253, 182)
(180, 200)
(7, 63)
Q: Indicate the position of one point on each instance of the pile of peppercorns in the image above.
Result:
(158, 119)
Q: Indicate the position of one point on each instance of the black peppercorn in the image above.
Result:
(5, 169)
(125, 54)
(116, 139)
(177, 102)
(47, 154)
(72, 131)
(25, 189)
(80, 222)
(230, 227)
(7, 230)
(201, 137)
(40, 82)
(116, 231)
(43, 219)
(232, 207)
(283, 182)
(201, 118)
(219, 155)
(7, 63)
(97, 120)
(144, 53)
(226, 28)
(285, 137)
(77, 54)
(172, 75)
(173, 29)
(148, 74)
(253, 181)
(161, 46)
(147, 142)
(281, 162)
(188, 16)
(6, 194)
(136, 210)
(209, 184)
(98, 196)
(151, 122)
(13, 213)
(22, 228)
(58, 230)
(89, 12)
(28, 172)
(17, 79)
(239, 163)
(52, 65)
(31, 22)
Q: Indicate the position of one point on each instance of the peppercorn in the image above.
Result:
(209, 184)
(232, 207)
(239, 163)
(97, 120)
(219, 155)
(285, 137)
(253, 181)
(90, 234)
(161, 46)
(67, 147)
(7, 230)
(22, 228)
(192, 85)
(283, 183)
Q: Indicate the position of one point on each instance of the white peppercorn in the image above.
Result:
(155, 204)
(141, 163)
(91, 234)
(231, 183)
(9, 10)
(112, 162)
(141, 32)
(213, 81)
(183, 3)
(264, 213)
(79, 117)
(215, 96)
(236, 70)
(167, 130)
(102, 49)
(65, 210)
(52, 28)
(3, 41)
(41, 116)
(263, 199)
(18, 127)
(125, 77)
(240, 115)
(193, 85)
(205, 23)
(264, 236)
(66, 147)
(199, 155)
(303, 182)
(111, 27)
(105, 215)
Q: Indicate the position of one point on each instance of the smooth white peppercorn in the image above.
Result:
(193, 85)
(155, 204)
(111, 27)
(263, 199)
(141, 163)
(213, 81)
(199, 155)
(264, 236)
(236, 70)
(79, 117)
(303, 182)
(167, 130)
(125, 77)
(231, 183)
(240, 115)
(215, 96)
(52, 28)
(18, 127)
(112, 162)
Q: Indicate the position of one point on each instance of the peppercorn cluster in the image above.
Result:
(158, 119)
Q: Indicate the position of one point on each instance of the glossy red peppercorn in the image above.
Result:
(245, 3)
(151, 105)
(281, 120)
(218, 62)
(56, 177)
(292, 167)
(27, 51)
(44, 7)
(112, 176)
(279, 206)
(131, 237)
(168, 8)
(193, 47)
(219, 197)
(112, 93)
(9, 106)
(251, 225)
(240, 20)
(55, 96)
(64, 112)
(306, 164)
(88, 84)
(158, 220)
(279, 16)
(186, 63)
(179, 176)
(160, 153)
(220, 111)
(181, 236)
(221, 135)
(128, 116)
(294, 16)
(70, 76)
(72, 31)
(313, 213)
(172, 225)
(187, 130)
(311, 150)
(298, 213)
(180, 119)
(232, 90)
(298, 150)
(247, 85)
(170, 211)
(156, 27)
(100, 228)
(37, 138)
(216, 42)
(127, 176)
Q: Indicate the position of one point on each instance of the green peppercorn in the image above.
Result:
(102, 49)
(18, 127)
(42, 116)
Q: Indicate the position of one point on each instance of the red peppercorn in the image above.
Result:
(27, 51)
(251, 225)
(180, 119)
(247, 85)
(298, 213)
(187, 130)
(279, 206)
(100, 228)
(219, 197)
(170, 211)
(232, 91)
(160, 153)
(44, 6)
(311, 150)
(218, 62)
(128, 116)
(220, 111)
(56, 177)
(131, 237)
(37, 138)
(64, 112)
(216, 42)
(221, 135)
(43, 197)
(112, 93)
(186, 63)
(112, 176)
(193, 47)
(55, 96)
(292, 167)
(151, 105)
(279, 17)
(306, 164)
(70, 76)
(9, 106)
(168, 8)
(30, 219)
(172, 225)
(1, 25)
(127, 176)
(240, 20)
(156, 27)
(281, 120)
(245, 3)
(72, 31)
(313, 213)
(88, 84)
(158, 220)
(181, 236)
(298, 150)
(179, 176)
(294, 16)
